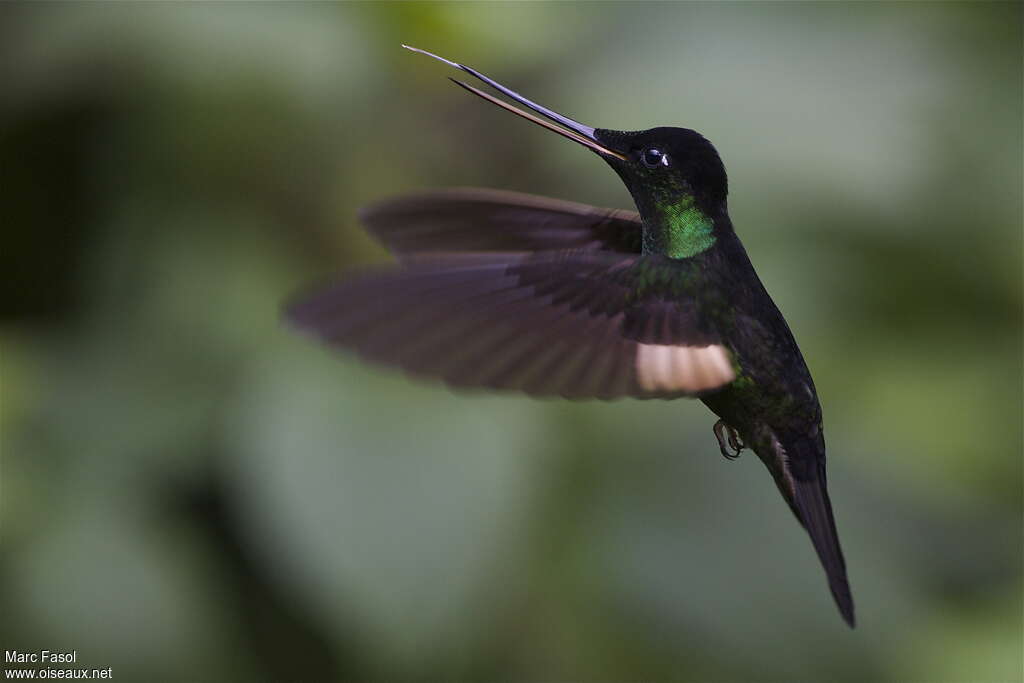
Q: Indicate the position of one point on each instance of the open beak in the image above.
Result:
(573, 130)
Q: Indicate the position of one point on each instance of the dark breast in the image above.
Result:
(775, 386)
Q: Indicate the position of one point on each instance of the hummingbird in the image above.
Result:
(508, 291)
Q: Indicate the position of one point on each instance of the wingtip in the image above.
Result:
(366, 212)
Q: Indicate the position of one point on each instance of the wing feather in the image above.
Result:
(475, 220)
(565, 324)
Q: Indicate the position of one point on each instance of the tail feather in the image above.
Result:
(811, 502)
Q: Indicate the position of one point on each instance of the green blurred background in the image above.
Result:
(192, 492)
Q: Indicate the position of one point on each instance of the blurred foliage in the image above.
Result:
(191, 492)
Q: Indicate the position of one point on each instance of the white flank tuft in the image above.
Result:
(661, 367)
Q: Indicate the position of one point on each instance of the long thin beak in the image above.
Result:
(574, 130)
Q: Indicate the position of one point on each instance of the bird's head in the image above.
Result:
(662, 164)
(675, 175)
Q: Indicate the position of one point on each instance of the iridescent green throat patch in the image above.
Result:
(687, 230)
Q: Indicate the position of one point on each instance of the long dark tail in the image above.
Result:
(814, 510)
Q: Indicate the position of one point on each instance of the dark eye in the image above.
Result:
(654, 157)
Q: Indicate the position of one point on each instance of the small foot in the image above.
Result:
(729, 441)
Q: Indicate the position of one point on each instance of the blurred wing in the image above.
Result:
(575, 324)
(475, 220)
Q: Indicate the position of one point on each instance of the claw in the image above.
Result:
(736, 441)
(729, 441)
